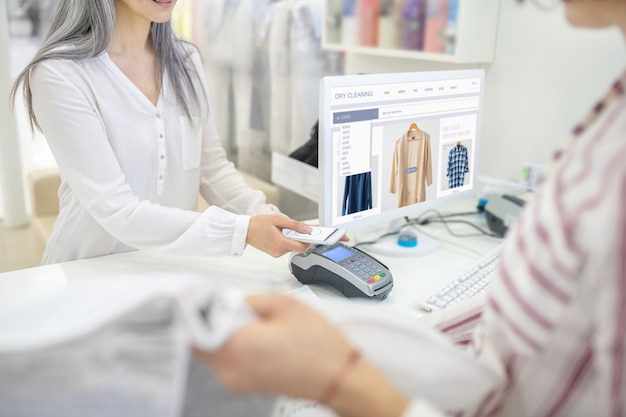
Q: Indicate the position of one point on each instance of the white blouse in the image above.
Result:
(132, 171)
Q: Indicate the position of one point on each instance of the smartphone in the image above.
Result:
(319, 235)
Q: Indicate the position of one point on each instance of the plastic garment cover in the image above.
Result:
(264, 61)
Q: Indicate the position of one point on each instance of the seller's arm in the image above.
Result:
(293, 351)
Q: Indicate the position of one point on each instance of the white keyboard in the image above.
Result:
(473, 281)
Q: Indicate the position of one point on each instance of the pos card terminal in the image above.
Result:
(351, 271)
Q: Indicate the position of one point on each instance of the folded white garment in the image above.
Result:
(124, 343)
(121, 346)
(209, 313)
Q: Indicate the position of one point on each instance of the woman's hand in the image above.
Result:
(292, 350)
(265, 233)
(289, 350)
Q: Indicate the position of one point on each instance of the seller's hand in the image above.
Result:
(292, 350)
(265, 233)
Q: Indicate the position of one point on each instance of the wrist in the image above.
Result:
(240, 234)
(338, 379)
(364, 391)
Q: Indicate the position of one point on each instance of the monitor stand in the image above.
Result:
(389, 246)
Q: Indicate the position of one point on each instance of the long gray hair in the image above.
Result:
(82, 29)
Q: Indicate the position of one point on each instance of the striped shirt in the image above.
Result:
(556, 317)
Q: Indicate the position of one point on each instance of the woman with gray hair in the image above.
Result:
(122, 103)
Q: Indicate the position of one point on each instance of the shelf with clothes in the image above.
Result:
(448, 31)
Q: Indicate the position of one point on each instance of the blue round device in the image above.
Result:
(408, 240)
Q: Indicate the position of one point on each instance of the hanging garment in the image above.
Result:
(414, 15)
(458, 166)
(368, 13)
(307, 61)
(389, 24)
(411, 169)
(435, 26)
(280, 80)
(308, 153)
(296, 63)
(357, 193)
(214, 35)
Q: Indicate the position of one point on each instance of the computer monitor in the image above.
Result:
(395, 145)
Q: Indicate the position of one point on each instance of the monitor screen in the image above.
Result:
(394, 145)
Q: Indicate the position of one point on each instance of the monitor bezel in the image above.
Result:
(325, 173)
